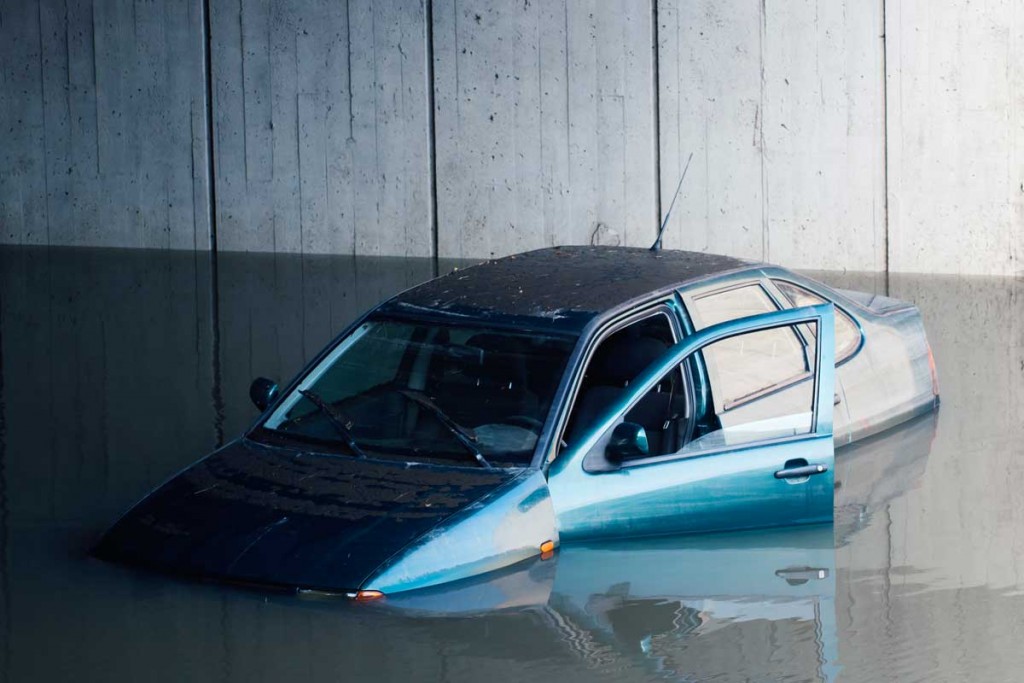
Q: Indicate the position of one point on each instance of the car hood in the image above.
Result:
(267, 515)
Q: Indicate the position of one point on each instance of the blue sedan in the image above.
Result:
(485, 417)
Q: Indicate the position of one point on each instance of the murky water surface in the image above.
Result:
(118, 368)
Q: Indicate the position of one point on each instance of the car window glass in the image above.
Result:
(847, 332)
(745, 365)
(373, 360)
(616, 361)
(784, 413)
(739, 302)
(754, 412)
(423, 391)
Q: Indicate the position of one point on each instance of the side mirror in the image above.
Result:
(262, 391)
(629, 440)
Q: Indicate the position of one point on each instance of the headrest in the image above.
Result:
(622, 358)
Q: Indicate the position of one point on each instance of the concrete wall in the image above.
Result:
(826, 134)
(955, 94)
(103, 123)
(781, 105)
(321, 126)
(545, 124)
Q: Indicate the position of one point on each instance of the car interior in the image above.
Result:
(487, 376)
(662, 412)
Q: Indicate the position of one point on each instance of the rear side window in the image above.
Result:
(847, 332)
(733, 303)
(745, 366)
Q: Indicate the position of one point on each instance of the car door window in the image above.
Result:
(745, 366)
(766, 463)
(616, 361)
(761, 390)
(754, 361)
(847, 333)
(730, 304)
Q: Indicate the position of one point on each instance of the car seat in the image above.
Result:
(616, 363)
(491, 385)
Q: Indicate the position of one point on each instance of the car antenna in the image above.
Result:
(657, 243)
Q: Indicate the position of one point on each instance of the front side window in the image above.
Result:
(429, 392)
(778, 414)
(616, 361)
(847, 332)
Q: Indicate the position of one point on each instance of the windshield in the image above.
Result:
(430, 392)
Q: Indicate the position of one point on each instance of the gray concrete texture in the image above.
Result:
(877, 136)
(102, 124)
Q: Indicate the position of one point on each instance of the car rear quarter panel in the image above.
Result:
(889, 379)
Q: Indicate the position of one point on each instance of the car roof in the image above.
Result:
(560, 288)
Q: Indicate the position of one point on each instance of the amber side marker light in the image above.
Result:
(368, 596)
(547, 549)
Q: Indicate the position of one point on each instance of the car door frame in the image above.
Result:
(690, 297)
(669, 304)
(573, 486)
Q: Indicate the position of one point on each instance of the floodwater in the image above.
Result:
(118, 368)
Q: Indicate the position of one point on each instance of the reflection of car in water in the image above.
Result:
(655, 600)
(682, 605)
(487, 416)
(873, 472)
(648, 602)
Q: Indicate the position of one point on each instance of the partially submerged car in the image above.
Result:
(486, 416)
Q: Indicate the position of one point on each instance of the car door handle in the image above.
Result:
(802, 471)
(796, 576)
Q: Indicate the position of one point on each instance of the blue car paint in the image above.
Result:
(272, 515)
(704, 492)
(729, 489)
(505, 527)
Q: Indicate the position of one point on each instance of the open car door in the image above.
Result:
(746, 460)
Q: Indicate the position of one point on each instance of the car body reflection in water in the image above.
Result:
(614, 604)
(872, 473)
(651, 599)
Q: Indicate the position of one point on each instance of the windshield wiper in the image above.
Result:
(337, 420)
(464, 436)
